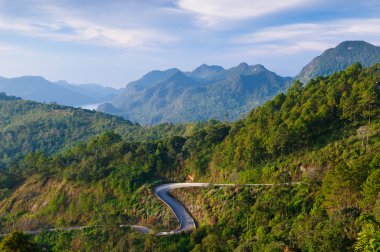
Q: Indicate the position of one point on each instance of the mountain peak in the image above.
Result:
(244, 68)
(206, 72)
(243, 65)
(62, 82)
(31, 78)
(353, 45)
(258, 67)
(240, 69)
(177, 76)
(158, 73)
(350, 43)
(205, 67)
(151, 78)
(339, 58)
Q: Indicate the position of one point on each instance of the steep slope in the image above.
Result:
(338, 58)
(205, 93)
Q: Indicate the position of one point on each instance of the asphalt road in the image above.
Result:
(185, 220)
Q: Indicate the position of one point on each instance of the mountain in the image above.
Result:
(151, 78)
(38, 89)
(206, 92)
(339, 58)
(319, 144)
(207, 73)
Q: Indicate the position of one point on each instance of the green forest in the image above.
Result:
(66, 167)
(28, 126)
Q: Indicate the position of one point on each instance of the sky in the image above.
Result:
(113, 42)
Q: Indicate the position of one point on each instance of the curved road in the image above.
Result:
(185, 220)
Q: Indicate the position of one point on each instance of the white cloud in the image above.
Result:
(61, 24)
(215, 11)
(80, 30)
(316, 37)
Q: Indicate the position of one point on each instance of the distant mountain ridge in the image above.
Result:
(172, 95)
(39, 89)
(214, 92)
(206, 92)
(339, 58)
(93, 90)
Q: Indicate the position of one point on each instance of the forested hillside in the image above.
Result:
(325, 134)
(27, 126)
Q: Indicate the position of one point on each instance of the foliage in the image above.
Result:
(5, 97)
(369, 238)
(27, 126)
(324, 110)
(17, 242)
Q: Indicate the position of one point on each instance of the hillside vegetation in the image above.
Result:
(27, 126)
(326, 134)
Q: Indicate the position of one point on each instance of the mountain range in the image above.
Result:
(39, 89)
(207, 92)
(225, 94)
(177, 96)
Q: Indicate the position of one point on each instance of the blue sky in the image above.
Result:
(112, 42)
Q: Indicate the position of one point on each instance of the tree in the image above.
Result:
(368, 239)
(17, 242)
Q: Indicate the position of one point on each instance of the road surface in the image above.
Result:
(186, 222)
(184, 218)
